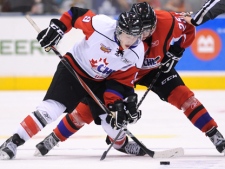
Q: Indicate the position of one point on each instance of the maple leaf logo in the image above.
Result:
(104, 61)
(95, 63)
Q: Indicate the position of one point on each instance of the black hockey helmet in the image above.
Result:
(146, 13)
(129, 23)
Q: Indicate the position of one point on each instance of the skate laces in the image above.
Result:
(132, 148)
(50, 142)
(217, 139)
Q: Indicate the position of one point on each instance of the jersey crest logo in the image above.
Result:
(151, 63)
(105, 49)
(86, 19)
(100, 67)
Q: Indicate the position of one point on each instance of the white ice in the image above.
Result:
(161, 127)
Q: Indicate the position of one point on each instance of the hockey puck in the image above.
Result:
(164, 163)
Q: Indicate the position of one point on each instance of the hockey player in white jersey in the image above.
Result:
(110, 55)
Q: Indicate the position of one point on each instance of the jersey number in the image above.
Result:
(86, 19)
(181, 25)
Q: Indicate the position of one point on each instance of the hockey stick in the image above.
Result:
(73, 72)
(124, 125)
(175, 152)
(150, 86)
(114, 140)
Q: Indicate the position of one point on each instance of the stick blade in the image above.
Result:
(103, 155)
(171, 153)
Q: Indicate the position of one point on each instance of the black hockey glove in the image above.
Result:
(118, 115)
(172, 56)
(131, 108)
(51, 35)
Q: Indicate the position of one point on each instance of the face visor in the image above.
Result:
(128, 40)
(148, 31)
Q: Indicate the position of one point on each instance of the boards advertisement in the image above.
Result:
(24, 65)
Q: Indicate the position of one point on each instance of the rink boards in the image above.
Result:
(25, 66)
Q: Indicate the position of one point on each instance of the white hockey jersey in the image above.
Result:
(97, 54)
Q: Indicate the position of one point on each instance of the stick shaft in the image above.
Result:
(150, 87)
(33, 23)
(71, 70)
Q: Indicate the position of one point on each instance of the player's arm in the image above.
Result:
(120, 93)
(182, 37)
(78, 18)
(183, 32)
(75, 17)
(210, 10)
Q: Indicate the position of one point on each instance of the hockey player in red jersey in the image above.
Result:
(161, 29)
(169, 86)
(108, 57)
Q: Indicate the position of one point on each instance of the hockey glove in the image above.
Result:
(51, 35)
(117, 116)
(172, 56)
(131, 108)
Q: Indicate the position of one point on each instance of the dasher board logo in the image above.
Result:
(207, 45)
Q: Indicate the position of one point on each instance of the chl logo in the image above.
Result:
(100, 67)
(150, 62)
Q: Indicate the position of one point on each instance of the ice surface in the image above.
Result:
(161, 127)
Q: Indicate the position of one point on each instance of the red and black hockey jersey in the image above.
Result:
(170, 29)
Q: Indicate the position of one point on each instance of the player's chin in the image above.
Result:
(125, 46)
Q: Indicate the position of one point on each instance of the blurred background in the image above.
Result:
(25, 66)
(109, 7)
